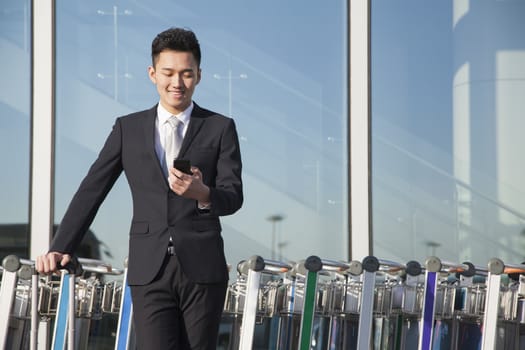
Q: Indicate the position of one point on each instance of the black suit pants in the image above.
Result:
(173, 313)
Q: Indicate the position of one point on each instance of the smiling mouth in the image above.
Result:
(176, 93)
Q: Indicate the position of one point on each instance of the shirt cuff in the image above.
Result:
(204, 206)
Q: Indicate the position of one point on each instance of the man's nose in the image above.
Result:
(176, 80)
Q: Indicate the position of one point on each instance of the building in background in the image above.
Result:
(442, 120)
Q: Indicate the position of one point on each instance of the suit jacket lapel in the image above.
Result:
(149, 136)
(196, 123)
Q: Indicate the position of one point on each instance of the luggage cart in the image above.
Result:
(518, 307)
(124, 339)
(432, 267)
(313, 265)
(255, 267)
(21, 305)
(370, 267)
(343, 308)
(290, 295)
(315, 304)
(97, 304)
(447, 288)
(21, 320)
(377, 298)
(44, 301)
(229, 335)
(64, 328)
(497, 307)
(390, 294)
(469, 307)
(10, 266)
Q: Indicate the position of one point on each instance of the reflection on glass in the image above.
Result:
(283, 85)
(447, 115)
(15, 85)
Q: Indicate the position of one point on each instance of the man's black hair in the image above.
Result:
(177, 39)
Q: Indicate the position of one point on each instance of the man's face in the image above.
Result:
(175, 74)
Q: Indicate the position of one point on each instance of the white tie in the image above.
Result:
(173, 140)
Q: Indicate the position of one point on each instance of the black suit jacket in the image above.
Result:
(211, 144)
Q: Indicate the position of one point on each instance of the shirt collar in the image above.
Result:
(183, 116)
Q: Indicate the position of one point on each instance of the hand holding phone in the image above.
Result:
(183, 165)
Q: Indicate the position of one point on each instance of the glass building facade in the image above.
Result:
(15, 126)
(446, 86)
(284, 86)
(447, 82)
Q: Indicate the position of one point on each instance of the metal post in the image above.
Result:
(490, 318)
(65, 315)
(255, 265)
(364, 337)
(10, 264)
(59, 332)
(34, 309)
(125, 314)
(433, 266)
(71, 313)
(313, 265)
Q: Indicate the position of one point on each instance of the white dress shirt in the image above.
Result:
(162, 116)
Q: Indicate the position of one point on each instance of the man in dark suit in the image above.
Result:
(177, 268)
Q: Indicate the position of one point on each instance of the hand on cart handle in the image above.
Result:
(73, 267)
(54, 261)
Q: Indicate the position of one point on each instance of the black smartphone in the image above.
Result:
(183, 165)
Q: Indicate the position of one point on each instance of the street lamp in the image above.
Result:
(433, 246)
(229, 77)
(274, 219)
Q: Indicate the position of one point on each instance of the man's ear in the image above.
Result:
(199, 74)
(151, 74)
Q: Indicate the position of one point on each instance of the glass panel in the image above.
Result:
(267, 64)
(447, 103)
(15, 95)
